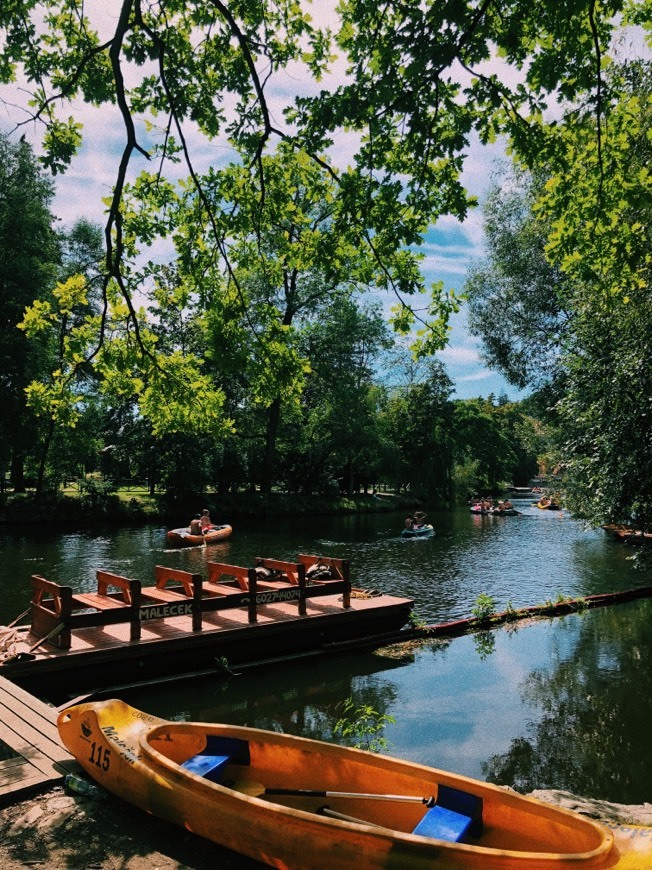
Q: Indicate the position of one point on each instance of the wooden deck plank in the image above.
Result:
(21, 771)
(16, 719)
(31, 710)
(27, 743)
(31, 780)
(28, 727)
(29, 730)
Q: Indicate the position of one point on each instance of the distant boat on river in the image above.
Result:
(183, 537)
(425, 531)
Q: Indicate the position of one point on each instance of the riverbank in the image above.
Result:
(128, 507)
(65, 832)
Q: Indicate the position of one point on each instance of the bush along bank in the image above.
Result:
(129, 508)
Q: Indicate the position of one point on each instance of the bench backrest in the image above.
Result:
(165, 575)
(217, 570)
(106, 581)
(50, 611)
(323, 566)
(292, 571)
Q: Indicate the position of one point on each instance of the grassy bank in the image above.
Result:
(129, 506)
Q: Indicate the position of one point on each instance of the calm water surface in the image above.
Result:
(564, 703)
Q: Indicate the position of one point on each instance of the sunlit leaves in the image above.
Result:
(54, 401)
(61, 141)
(170, 389)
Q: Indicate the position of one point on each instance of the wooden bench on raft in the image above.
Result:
(185, 586)
(245, 584)
(331, 574)
(317, 575)
(55, 609)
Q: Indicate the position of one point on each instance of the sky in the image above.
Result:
(449, 247)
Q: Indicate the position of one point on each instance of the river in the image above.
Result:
(561, 703)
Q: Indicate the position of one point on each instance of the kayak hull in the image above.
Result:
(138, 757)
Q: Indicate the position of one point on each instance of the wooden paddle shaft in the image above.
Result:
(297, 792)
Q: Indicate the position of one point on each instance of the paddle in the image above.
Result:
(299, 792)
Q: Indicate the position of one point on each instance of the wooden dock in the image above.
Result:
(28, 727)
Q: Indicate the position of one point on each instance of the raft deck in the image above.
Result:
(185, 623)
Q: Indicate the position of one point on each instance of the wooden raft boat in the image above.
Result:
(296, 803)
(185, 623)
(183, 538)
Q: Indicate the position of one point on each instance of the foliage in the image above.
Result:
(587, 211)
(268, 243)
(418, 422)
(517, 300)
(468, 479)
(336, 443)
(480, 434)
(363, 726)
(604, 414)
(29, 256)
(417, 89)
(484, 607)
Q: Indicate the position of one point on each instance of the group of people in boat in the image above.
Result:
(486, 505)
(201, 523)
(416, 521)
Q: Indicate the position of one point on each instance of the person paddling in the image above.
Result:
(205, 521)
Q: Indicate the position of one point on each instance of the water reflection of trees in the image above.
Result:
(592, 736)
(312, 710)
(306, 700)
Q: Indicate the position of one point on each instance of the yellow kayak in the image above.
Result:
(295, 803)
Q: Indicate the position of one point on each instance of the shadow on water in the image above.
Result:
(552, 703)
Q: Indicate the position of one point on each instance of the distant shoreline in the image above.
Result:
(128, 508)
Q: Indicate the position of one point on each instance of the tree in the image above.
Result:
(591, 221)
(517, 300)
(480, 437)
(29, 256)
(418, 86)
(338, 417)
(81, 257)
(419, 419)
(598, 207)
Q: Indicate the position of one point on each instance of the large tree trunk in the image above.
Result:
(18, 471)
(269, 460)
(44, 456)
(349, 474)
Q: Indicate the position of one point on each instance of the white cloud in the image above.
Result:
(460, 355)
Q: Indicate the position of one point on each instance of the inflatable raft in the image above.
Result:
(183, 538)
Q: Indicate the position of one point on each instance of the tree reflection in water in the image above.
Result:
(592, 732)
